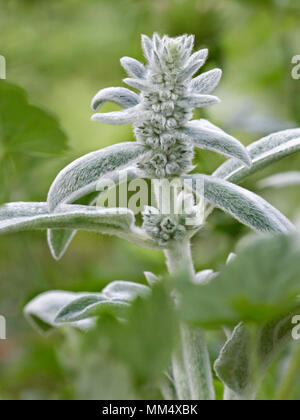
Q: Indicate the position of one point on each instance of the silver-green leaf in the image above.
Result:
(243, 205)
(133, 67)
(60, 239)
(263, 152)
(82, 176)
(16, 217)
(248, 353)
(41, 312)
(206, 82)
(89, 306)
(125, 290)
(205, 136)
(126, 116)
(119, 95)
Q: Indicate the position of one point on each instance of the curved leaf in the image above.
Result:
(263, 152)
(82, 176)
(126, 116)
(204, 136)
(243, 205)
(43, 309)
(119, 95)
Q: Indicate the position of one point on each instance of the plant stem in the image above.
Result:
(197, 363)
(181, 381)
(179, 259)
(191, 364)
(286, 387)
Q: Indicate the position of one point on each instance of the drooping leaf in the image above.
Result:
(259, 285)
(16, 217)
(60, 239)
(243, 205)
(43, 309)
(119, 95)
(263, 152)
(285, 179)
(206, 136)
(114, 299)
(83, 175)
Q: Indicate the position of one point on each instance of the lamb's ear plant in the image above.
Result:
(161, 113)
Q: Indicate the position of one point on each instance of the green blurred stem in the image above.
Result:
(291, 376)
(191, 365)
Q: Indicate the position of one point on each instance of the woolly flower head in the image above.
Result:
(160, 114)
(165, 228)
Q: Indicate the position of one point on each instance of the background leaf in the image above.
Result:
(145, 342)
(248, 353)
(260, 284)
(27, 134)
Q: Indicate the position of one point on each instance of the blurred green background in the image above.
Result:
(62, 52)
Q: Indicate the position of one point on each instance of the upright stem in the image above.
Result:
(179, 259)
(191, 364)
(291, 376)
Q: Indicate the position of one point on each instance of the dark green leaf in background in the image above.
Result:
(261, 284)
(27, 133)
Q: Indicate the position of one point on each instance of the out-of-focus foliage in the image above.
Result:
(124, 360)
(61, 52)
(27, 134)
(260, 284)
